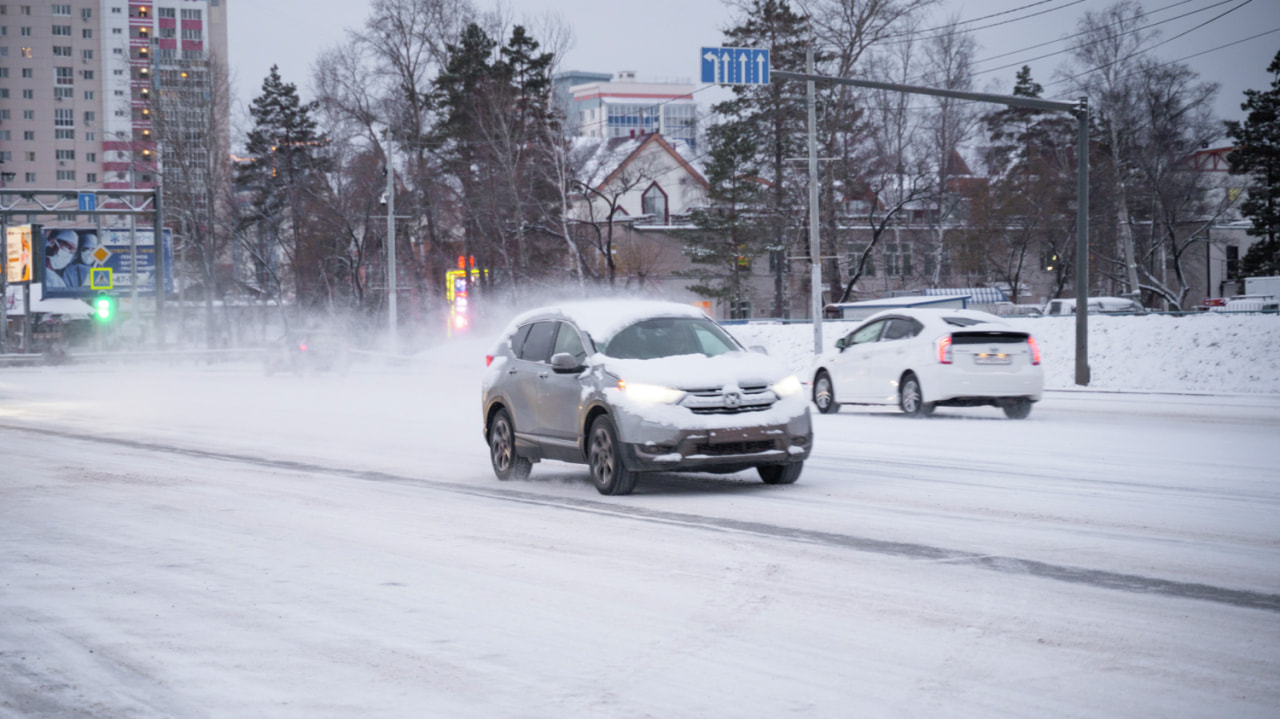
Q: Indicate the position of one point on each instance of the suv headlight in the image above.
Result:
(650, 393)
(786, 387)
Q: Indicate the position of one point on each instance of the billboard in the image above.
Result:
(73, 260)
(18, 265)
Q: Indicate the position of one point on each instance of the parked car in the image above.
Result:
(629, 387)
(1096, 306)
(920, 359)
(1249, 303)
(307, 351)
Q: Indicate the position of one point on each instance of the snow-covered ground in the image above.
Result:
(205, 541)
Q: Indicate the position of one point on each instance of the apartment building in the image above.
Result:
(597, 105)
(77, 80)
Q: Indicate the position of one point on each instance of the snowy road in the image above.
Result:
(208, 542)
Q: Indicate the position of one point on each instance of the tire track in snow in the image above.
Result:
(1132, 583)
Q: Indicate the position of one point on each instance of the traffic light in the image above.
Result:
(104, 307)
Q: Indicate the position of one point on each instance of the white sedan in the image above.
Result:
(920, 359)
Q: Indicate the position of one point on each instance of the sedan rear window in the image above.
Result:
(669, 337)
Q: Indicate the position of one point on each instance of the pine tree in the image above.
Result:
(1257, 153)
(285, 154)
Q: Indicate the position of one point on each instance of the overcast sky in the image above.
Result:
(660, 39)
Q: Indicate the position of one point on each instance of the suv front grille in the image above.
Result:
(730, 410)
(716, 450)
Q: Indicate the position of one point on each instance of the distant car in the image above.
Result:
(1249, 303)
(920, 359)
(1097, 306)
(629, 387)
(304, 352)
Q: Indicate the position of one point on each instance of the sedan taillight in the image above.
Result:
(944, 349)
(488, 360)
(1035, 350)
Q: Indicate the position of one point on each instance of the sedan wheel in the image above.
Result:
(911, 399)
(502, 449)
(824, 395)
(1016, 408)
(607, 470)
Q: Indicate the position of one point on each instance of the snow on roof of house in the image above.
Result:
(976, 295)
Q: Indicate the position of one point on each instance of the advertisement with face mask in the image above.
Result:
(69, 257)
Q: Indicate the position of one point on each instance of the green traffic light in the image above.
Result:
(102, 307)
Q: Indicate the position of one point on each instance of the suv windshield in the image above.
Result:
(669, 337)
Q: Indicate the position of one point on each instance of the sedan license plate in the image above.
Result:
(992, 358)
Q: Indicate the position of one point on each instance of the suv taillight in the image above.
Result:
(488, 360)
(1035, 350)
(944, 349)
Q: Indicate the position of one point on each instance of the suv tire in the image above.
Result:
(502, 449)
(780, 473)
(604, 455)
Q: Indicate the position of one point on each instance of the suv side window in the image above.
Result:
(517, 340)
(537, 346)
(567, 340)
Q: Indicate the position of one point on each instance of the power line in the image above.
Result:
(983, 17)
(1149, 49)
(971, 29)
(1085, 32)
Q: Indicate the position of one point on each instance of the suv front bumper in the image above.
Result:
(714, 449)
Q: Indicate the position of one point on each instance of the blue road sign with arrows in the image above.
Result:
(735, 66)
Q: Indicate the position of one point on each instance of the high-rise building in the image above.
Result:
(77, 83)
(602, 106)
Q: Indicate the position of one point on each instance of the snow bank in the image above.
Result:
(1156, 353)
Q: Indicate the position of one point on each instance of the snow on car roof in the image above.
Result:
(602, 318)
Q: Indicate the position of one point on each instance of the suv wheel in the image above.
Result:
(603, 454)
(502, 449)
(780, 473)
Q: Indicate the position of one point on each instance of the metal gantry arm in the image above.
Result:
(1078, 109)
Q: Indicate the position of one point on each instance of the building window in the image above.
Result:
(90, 136)
(4, 51)
(90, 116)
(897, 259)
(87, 34)
(168, 32)
(60, 9)
(64, 154)
(191, 14)
(63, 76)
(30, 177)
(88, 94)
(855, 254)
(62, 31)
(25, 32)
(115, 11)
(62, 51)
(5, 155)
(26, 115)
(29, 135)
(28, 94)
(117, 31)
(64, 117)
(4, 30)
(4, 137)
(166, 12)
(1233, 262)
(88, 74)
(4, 93)
(91, 177)
(66, 175)
(91, 157)
(86, 13)
(117, 51)
(26, 72)
(86, 54)
(63, 93)
(190, 33)
(654, 202)
(64, 133)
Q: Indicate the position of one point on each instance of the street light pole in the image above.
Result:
(391, 248)
(815, 251)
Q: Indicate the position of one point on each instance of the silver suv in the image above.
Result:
(632, 386)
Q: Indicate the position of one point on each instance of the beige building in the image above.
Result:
(76, 82)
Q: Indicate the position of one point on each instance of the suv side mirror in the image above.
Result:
(565, 363)
(842, 343)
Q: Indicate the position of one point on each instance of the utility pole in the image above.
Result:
(815, 251)
(391, 248)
